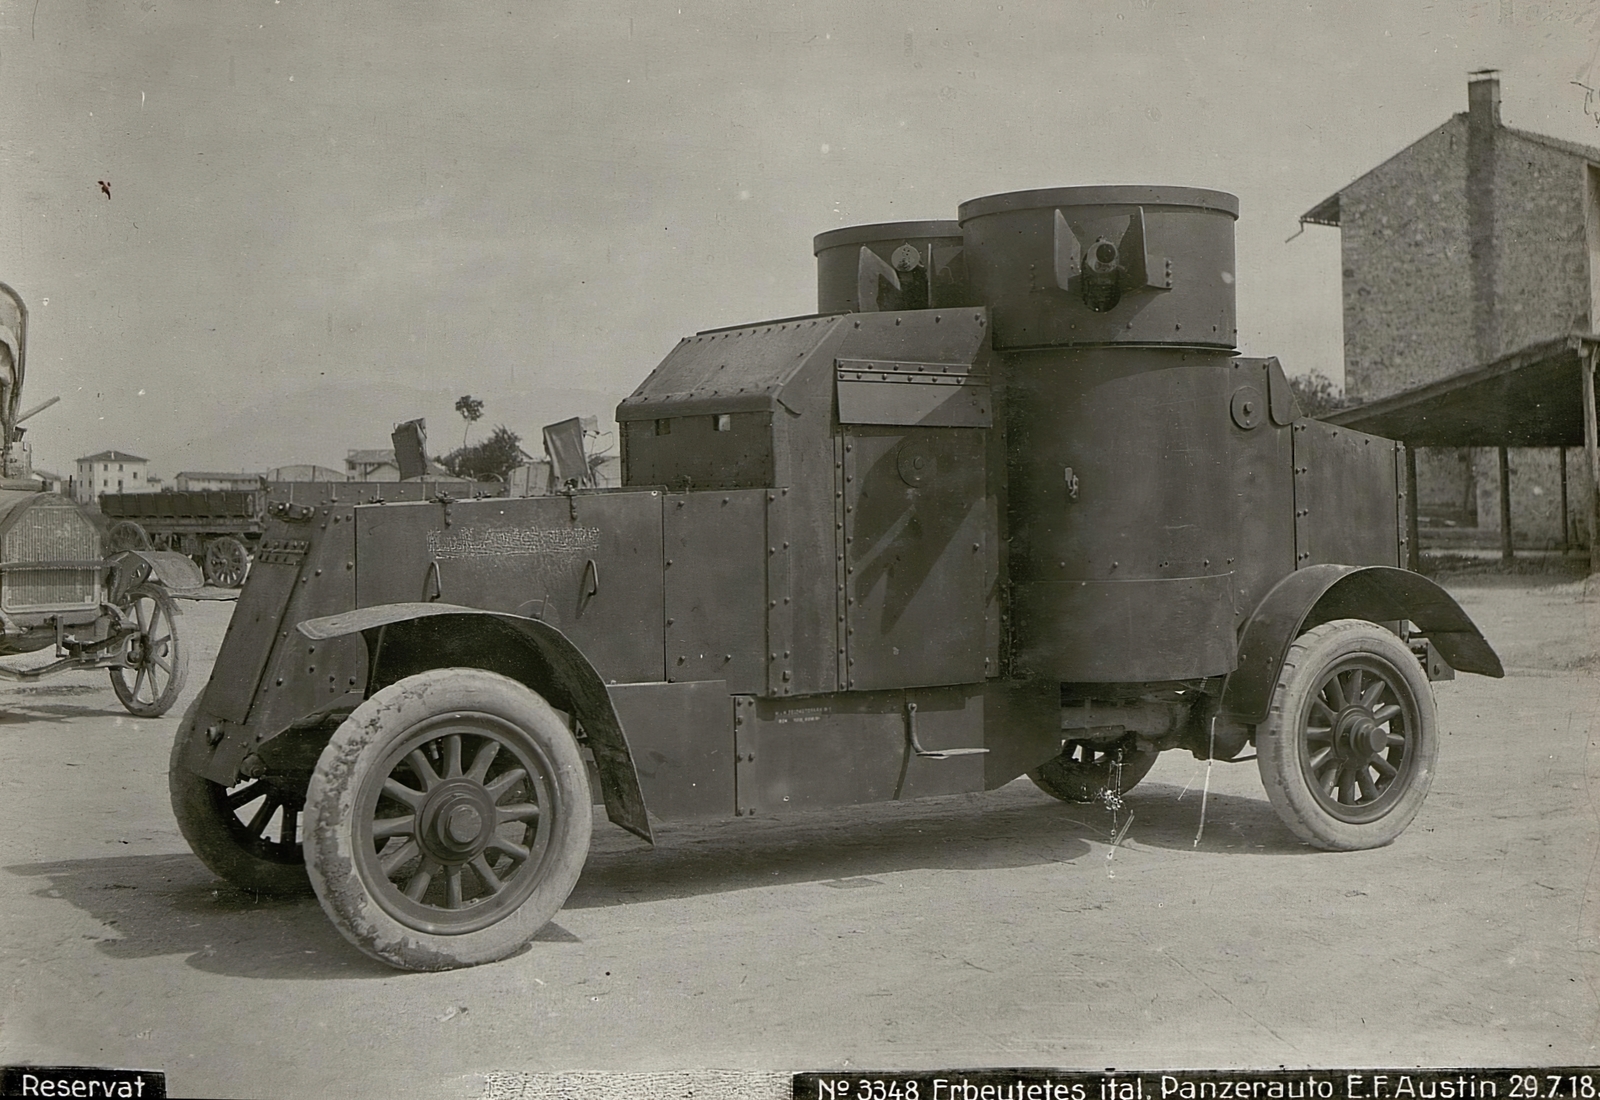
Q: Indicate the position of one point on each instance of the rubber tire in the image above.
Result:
(205, 825)
(351, 760)
(165, 605)
(1082, 784)
(1280, 742)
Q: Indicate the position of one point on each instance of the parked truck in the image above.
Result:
(1010, 503)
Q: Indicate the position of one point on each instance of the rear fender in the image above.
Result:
(408, 638)
(1322, 593)
(167, 568)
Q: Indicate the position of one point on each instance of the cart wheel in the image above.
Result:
(227, 562)
(1094, 773)
(1348, 748)
(158, 661)
(231, 828)
(125, 534)
(447, 820)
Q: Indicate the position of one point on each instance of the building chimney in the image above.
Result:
(1483, 99)
(1483, 119)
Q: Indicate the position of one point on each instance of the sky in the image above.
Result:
(326, 218)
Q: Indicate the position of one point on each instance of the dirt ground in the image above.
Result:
(992, 930)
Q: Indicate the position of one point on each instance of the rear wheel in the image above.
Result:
(157, 659)
(447, 820)
(247, 833)
(125, 534)
(1348, 748)
(1086, 772)
(227, 562)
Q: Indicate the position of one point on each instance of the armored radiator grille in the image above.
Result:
(52, 530)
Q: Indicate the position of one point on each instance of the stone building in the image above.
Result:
(194, 480)
(371, 465)
(110, 472)
(1474, 243)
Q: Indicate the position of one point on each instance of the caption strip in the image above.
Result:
(1565, 1083)
(83, 1082)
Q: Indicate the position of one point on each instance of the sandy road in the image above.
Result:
(986, 930)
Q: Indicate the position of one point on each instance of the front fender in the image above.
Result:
(1322, 593)
(575, 681)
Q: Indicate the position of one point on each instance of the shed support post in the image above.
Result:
(1591, 446)
(1506, 551)
(1566, 516)
(1413, 544)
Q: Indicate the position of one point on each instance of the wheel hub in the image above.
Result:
(457, 820)
(1357, 735)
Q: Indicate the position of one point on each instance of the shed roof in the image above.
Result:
(1530, 398)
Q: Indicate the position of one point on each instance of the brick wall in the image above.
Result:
(1535, 495)
(1409, 293)
(1407, 283)
(1445, 490)
(1542, 258)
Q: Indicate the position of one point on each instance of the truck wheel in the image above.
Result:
(1093, 773)
(447, 820)
(1348, 748)
(158, 661)
(231, 828)
(125, 534)
(227, 562)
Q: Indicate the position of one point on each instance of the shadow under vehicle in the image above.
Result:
(58, 588)
(1010, 503)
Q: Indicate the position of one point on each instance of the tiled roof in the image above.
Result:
(1588, 152)
(1326, 212)
(113, 456)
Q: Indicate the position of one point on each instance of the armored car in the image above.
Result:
(1010, 503)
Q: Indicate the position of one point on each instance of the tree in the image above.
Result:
(492, 459)
(1318, 394)
(471, 410)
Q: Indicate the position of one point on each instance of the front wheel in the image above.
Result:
(156, 661)
(1348, 748)
(447, 820)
